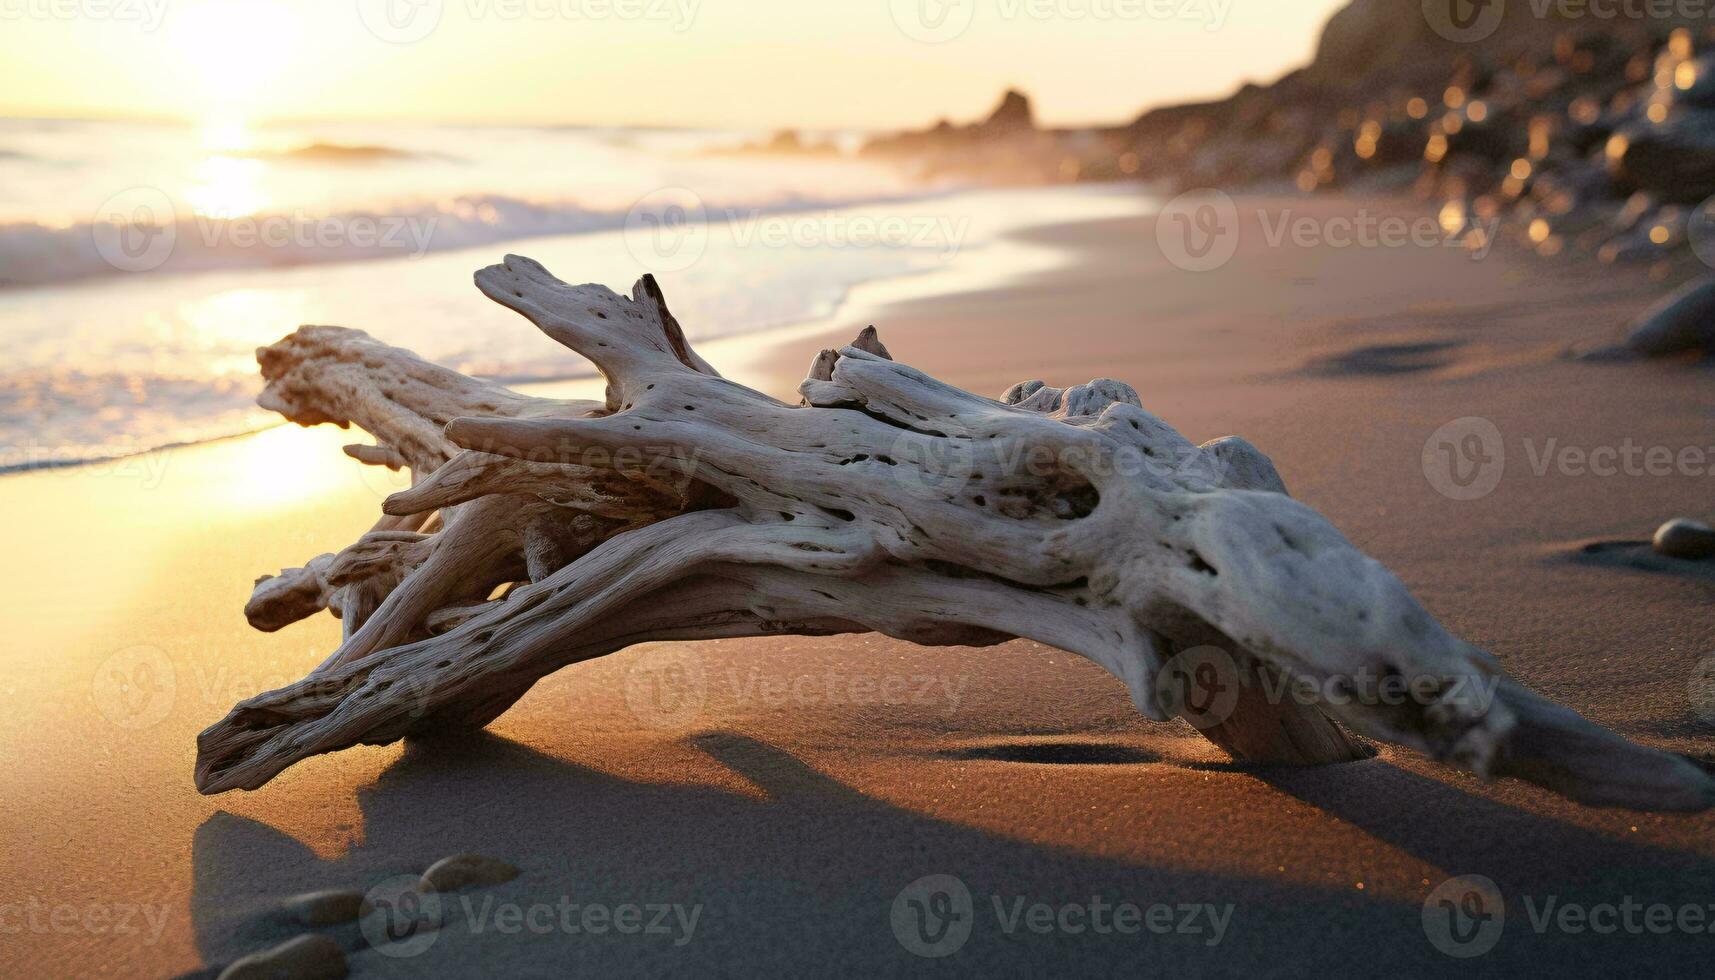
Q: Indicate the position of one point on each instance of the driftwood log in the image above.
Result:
(539, 533)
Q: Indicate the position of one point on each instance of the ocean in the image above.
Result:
(142, 264)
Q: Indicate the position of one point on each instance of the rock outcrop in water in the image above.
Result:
(1006, 146)
(784, 142)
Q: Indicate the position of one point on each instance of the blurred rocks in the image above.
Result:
(1005, 147)
(1567, 135)
(784, 142)
(1012, 116)
(1674, 158)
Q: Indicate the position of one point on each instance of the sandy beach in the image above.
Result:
(771, 827)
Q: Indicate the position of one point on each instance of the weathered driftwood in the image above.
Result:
(539, 533)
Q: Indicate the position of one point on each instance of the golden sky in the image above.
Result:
(816, 63)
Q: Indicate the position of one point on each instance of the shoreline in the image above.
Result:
(1006, 259)
(212, 229)
(1021, 771)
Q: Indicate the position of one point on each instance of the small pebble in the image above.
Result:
(308, 957)
(324, 908)
(465, 871)
(1683, 538)
(1684, 321)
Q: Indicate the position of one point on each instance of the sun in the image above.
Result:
(234, 51)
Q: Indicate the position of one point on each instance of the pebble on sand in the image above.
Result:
(308, 957)
(1684, 321)
(324, 908)
(465, 871)
(1683, 538)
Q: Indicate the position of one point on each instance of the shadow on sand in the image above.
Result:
(804, 881)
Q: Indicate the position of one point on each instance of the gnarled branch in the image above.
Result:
(686, 506)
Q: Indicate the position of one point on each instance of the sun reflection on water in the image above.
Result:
(229, 325)
(226, 133)
(228, 187)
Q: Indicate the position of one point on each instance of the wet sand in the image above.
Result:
(810, 780)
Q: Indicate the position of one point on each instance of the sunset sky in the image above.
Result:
(669, 62)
